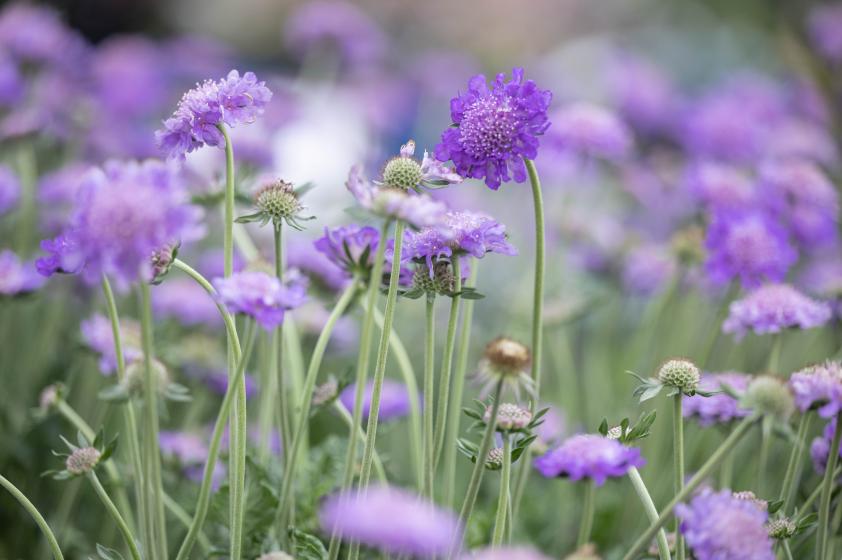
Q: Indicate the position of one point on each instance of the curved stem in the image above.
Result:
(827, 491)
(115, 514)
(804, 510)
(586, 523)
(651, 511)
(429, 356)
(447, 361)
(36, 515)
(349, 421)
(180, 514)
(795, 464)
(678, 466)
(503, 497)
(287, 490)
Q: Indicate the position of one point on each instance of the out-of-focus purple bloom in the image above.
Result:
(261, 296)
(505, 553)
(12, 85)
(212, 263)
(340, 25)
(190, 451)
(232, 101)
(391, 520)
(124, 213)
(721, 407)
(350, 248)
(9, 189)
(17, 277)
(773, 308)
(642, 93)
(584, 130)
(553, 428)
(35, 34)
(823, 278)
(750, 246)
(802, 196)
(130, 76)
(719, 526)
(589, 456)
(497, 127)
(98, 336)
(647, 269)
(820, 387)
(61, 186)
(217, 381)
(319, 269)
(820, 448)
(825, 27)
(721, 186)
(801, 138)
(394, 399)
(437, 73)
(185, 301)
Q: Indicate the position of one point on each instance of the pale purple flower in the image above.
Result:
(802, 138)
(9, 189)
(394, 399)
(190, 451)
(721, 186)
(552, 429)
(646, 269)
(642, 93)
(497, 127)
(99, 337)
(818, 386)
(186, 302)
(320, 270)
(747, 245)
(820, 448)
(589, 456)
(131, 77)
(584, 130)
(263, 297)
(720, 408)
(505, 553)
(16, 277)
(825, 28)
(719, 526)
(35, 34)
(391, 520)
(823, 277)
(773, 308)
(12, 85)
(352, 249)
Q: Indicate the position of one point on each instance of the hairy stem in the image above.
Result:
(588, 507)
(115, 514)
(678, 466)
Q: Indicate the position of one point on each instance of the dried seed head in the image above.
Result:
(681, 374)
(325, 392)
(82, 460)
(507, 356)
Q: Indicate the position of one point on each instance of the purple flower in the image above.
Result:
(11, 82)
(647, 269)
(719, 408)
(17, 277)
(496, 128)
(124, 213)
(589, 456)
(394, 399)
(98, 336)
(35, 34)
(261, 296)
(773, 308)
(9, 189)
(319, 269)
(818, 386)
(391, 520)
(825, 27)
(553, 428)
(233, 100)
(589, 131)
(190, 451)
(748, 245)
(131, 76)
(643, 93)
(352, 249)
(185, 301)
(820, 448)
(721, 186)
(505, 553)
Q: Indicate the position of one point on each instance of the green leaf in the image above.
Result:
(118, 393)
(108, 553)
(650, 392)
(471, 413)
(773, 507)
(603, 427)
(306, 546)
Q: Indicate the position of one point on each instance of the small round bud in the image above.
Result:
(278, 200)
(781, 529)
(771, 396)
(82, 460)
(510, 417)
(507, 356)
(402, 173)
(615, 433)
(49, 397)
(749, 496)
(276, 555)
(162, 261)
(681, 374)
(325, 392)
(136, 371)
(494, 461)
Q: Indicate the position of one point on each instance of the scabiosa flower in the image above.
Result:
(750, 246)
(124, 214)
(769, 395)
(82, 460)
(16, 277)
(773, 308)
(98, 336)
(825, 23)
(719, 526)
(587, 131)
(721, 186)
(589, 456)
(681, 374)
(9, 189)
(647, 269)
(496, 127)
(643, 93)
(232, 101)
(818, 386)
(820, 448)
(189, 451)
(719, 408)
(505, 553)
(507, 360)
(278, 202)
(404, 172)
(510, 417)
(394, 399)
(391, 520)
(321, 272)
(352, 250)
(261, 296)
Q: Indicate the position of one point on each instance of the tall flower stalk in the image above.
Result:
(587, 515)
(822, 533)
(429, 356)
(651, 511)
(115, 514)
(678, 465)
(795, 464)
(36, 515)
(447, 361)
(503, 495)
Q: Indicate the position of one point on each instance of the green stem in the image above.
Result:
(447, 361)
(787, 551)
(27, 169)
(795, 464)
(151, 455)
(36, 515)
(277, 351)
(455, 410)
(804, 510)
(287, 489)
(651, 511)
(230, 192)
(349, 421)
(827, 491)
(227, 318)
(775, 354)
(115, 513)
(763, 454)
(701, 475)
(678, 466)
(503, 497)
(716, 330)
(179, 513)
(429, 356)
(588, 507)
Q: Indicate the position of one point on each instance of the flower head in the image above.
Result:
(719, 408)
(496, 127)
(719, 526)
(394, 399)
(391, 520)
(322, 273)
(721, 186)
(98, 336)
(278, 202)
(782, 528)
(405, 173)
(588, 131)
(818, 386)
(647, 269)
(508, 360)
(9, 189)
(352, 250)
(681, 374)
(17, 277)
(769, 395)
(773, 308)
(589, 456)
(263, 297)
(510, 417)
(82, 460)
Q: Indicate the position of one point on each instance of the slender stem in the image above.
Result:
(588, 507)
(715, 458)
(795, 464)
(447, 361)
(228, 217)
(503, 497)
(277, 351)
(227, 318)
(287, 489)
(763, 454)
(151, 454)
(115, 513)
(678, 466)
(27, 168)
(775, 354)
(203, 500)
(185, 519)
(349, 421)
(787, 551)
(651, 511)
(827, 491)
(429, 356)
(726, 471)
(814, 495)
(716, 330)
(36, 515)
